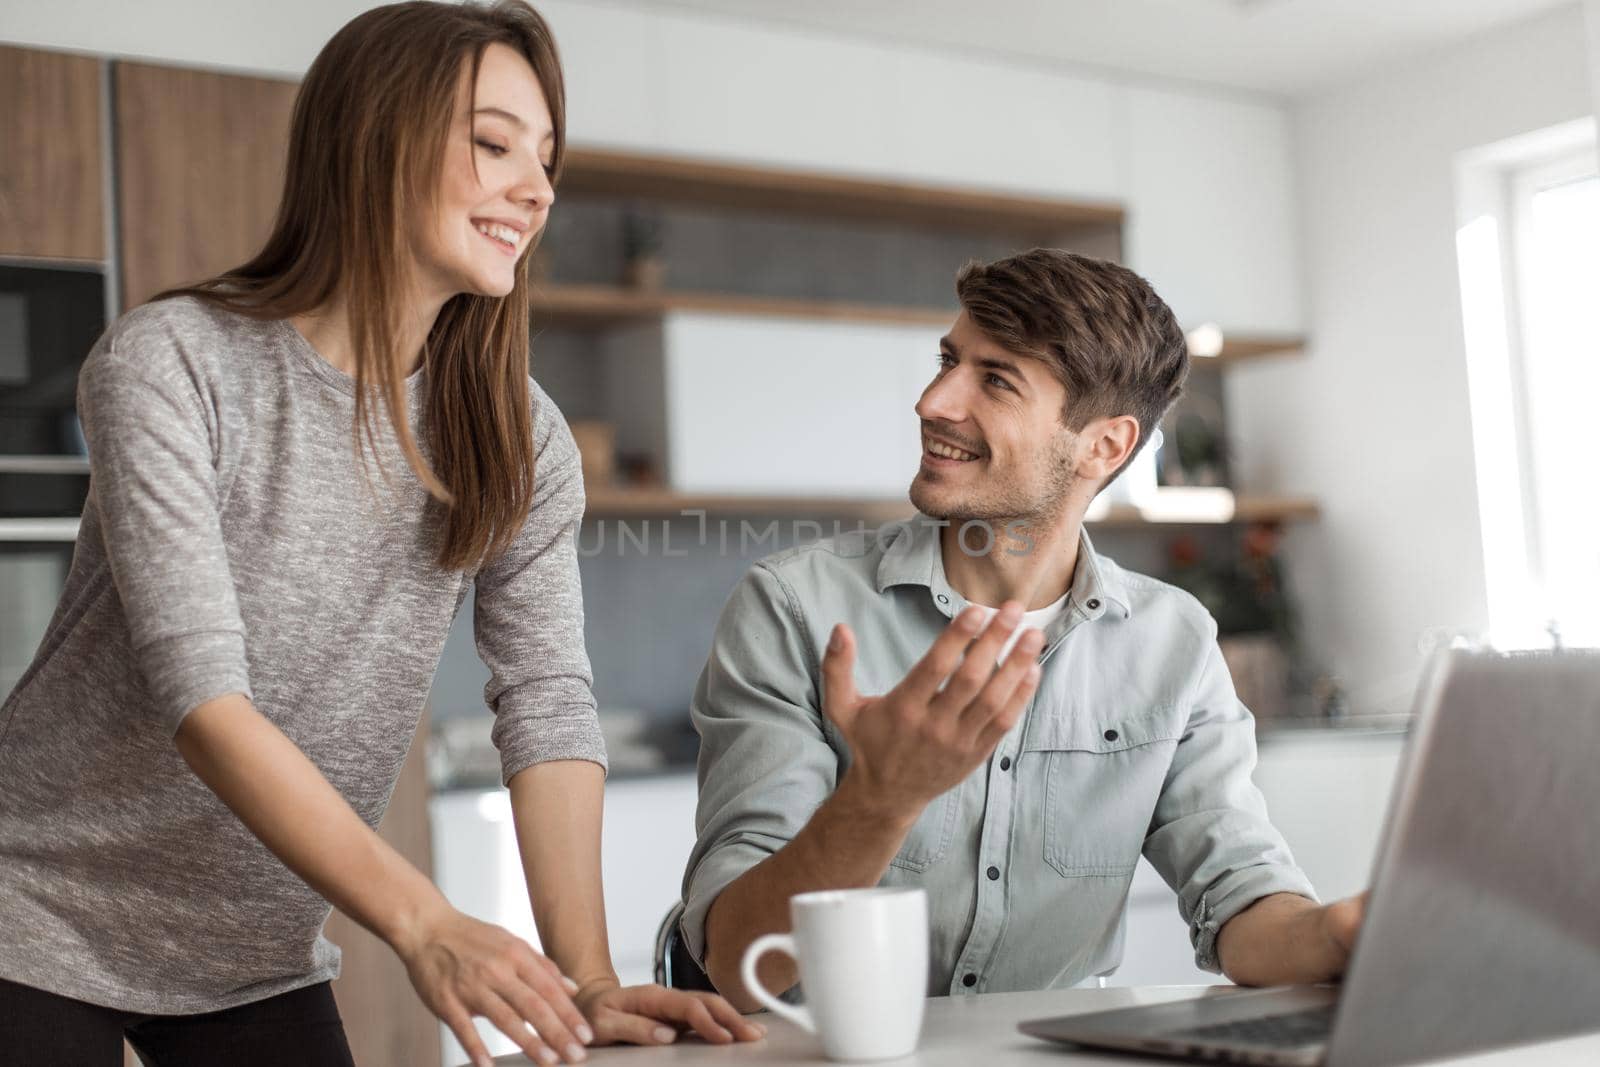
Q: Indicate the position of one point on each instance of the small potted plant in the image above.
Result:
(642, 265)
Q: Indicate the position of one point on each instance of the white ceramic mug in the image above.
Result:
(863, 956)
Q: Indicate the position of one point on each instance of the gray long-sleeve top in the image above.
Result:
(232, 544)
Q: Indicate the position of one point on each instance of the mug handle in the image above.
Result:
(747, 973)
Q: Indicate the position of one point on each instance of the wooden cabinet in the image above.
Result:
(51, 165)
(649, 833)
(1327, 792)
(384, 1019)
(200, 159)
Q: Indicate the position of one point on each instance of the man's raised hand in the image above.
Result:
(944, 718)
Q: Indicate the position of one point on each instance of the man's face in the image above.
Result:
(993, 443)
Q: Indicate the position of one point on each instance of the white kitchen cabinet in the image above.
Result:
(976, 122)
(1212, 208)
(1326, 792)
(649, 832)
(1157, 950)
(614, 65)
(648, 837)
(719, 88)
(773, 406)
(752, 95)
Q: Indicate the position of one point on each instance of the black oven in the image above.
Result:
(50, 316)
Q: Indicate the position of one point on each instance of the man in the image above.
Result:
(1020, 795)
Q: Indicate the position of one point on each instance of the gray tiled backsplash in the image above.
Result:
(764, 254)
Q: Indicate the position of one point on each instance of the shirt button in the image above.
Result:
(969, 980)
(1111, 735)
(943, 599)
(1005, 763)
(994, 874)
(1093, 605)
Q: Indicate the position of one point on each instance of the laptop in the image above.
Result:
(1483, 927)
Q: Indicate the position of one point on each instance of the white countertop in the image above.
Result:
(962, 1031)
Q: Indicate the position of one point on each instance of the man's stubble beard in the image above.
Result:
(1006, 502)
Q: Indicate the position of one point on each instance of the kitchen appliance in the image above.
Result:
(51, 314)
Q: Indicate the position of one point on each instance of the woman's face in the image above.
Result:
(485, 218)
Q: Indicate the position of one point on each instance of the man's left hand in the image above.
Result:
(1341, 922)
(1287, 939)
(655, 1015)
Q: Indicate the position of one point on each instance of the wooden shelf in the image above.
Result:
(599, 306)
(1275, 509)
(621, 502)
(624, 503)
(1245, 509)
(1247, 347)
(595, 306)
(601, 172)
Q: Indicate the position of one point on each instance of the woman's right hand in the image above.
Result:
(462, 967)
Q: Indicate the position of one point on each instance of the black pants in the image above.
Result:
(301, 1027)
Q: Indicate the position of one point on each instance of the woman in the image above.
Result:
(299, 467)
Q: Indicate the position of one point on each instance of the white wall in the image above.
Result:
(1592, 10)
(1376, 419)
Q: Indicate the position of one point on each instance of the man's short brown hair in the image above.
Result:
(1102, 330)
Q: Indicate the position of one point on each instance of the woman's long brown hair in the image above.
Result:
(367, 144)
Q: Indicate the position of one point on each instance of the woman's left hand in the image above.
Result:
(655, 1015)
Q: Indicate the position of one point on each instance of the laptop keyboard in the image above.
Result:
(1279, 1031)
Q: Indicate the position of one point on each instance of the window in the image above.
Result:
(1556, 248)
(1529, 251)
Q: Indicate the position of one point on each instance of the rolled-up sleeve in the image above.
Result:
(765, 761)
(1210, 837)
(528, 618)
(154, 486)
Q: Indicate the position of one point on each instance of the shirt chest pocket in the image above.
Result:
(929, 839)
(935, 828)
(1102, 777)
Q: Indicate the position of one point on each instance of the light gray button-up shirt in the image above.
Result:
(1135, 742)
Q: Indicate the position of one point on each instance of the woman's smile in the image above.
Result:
(507, 235)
